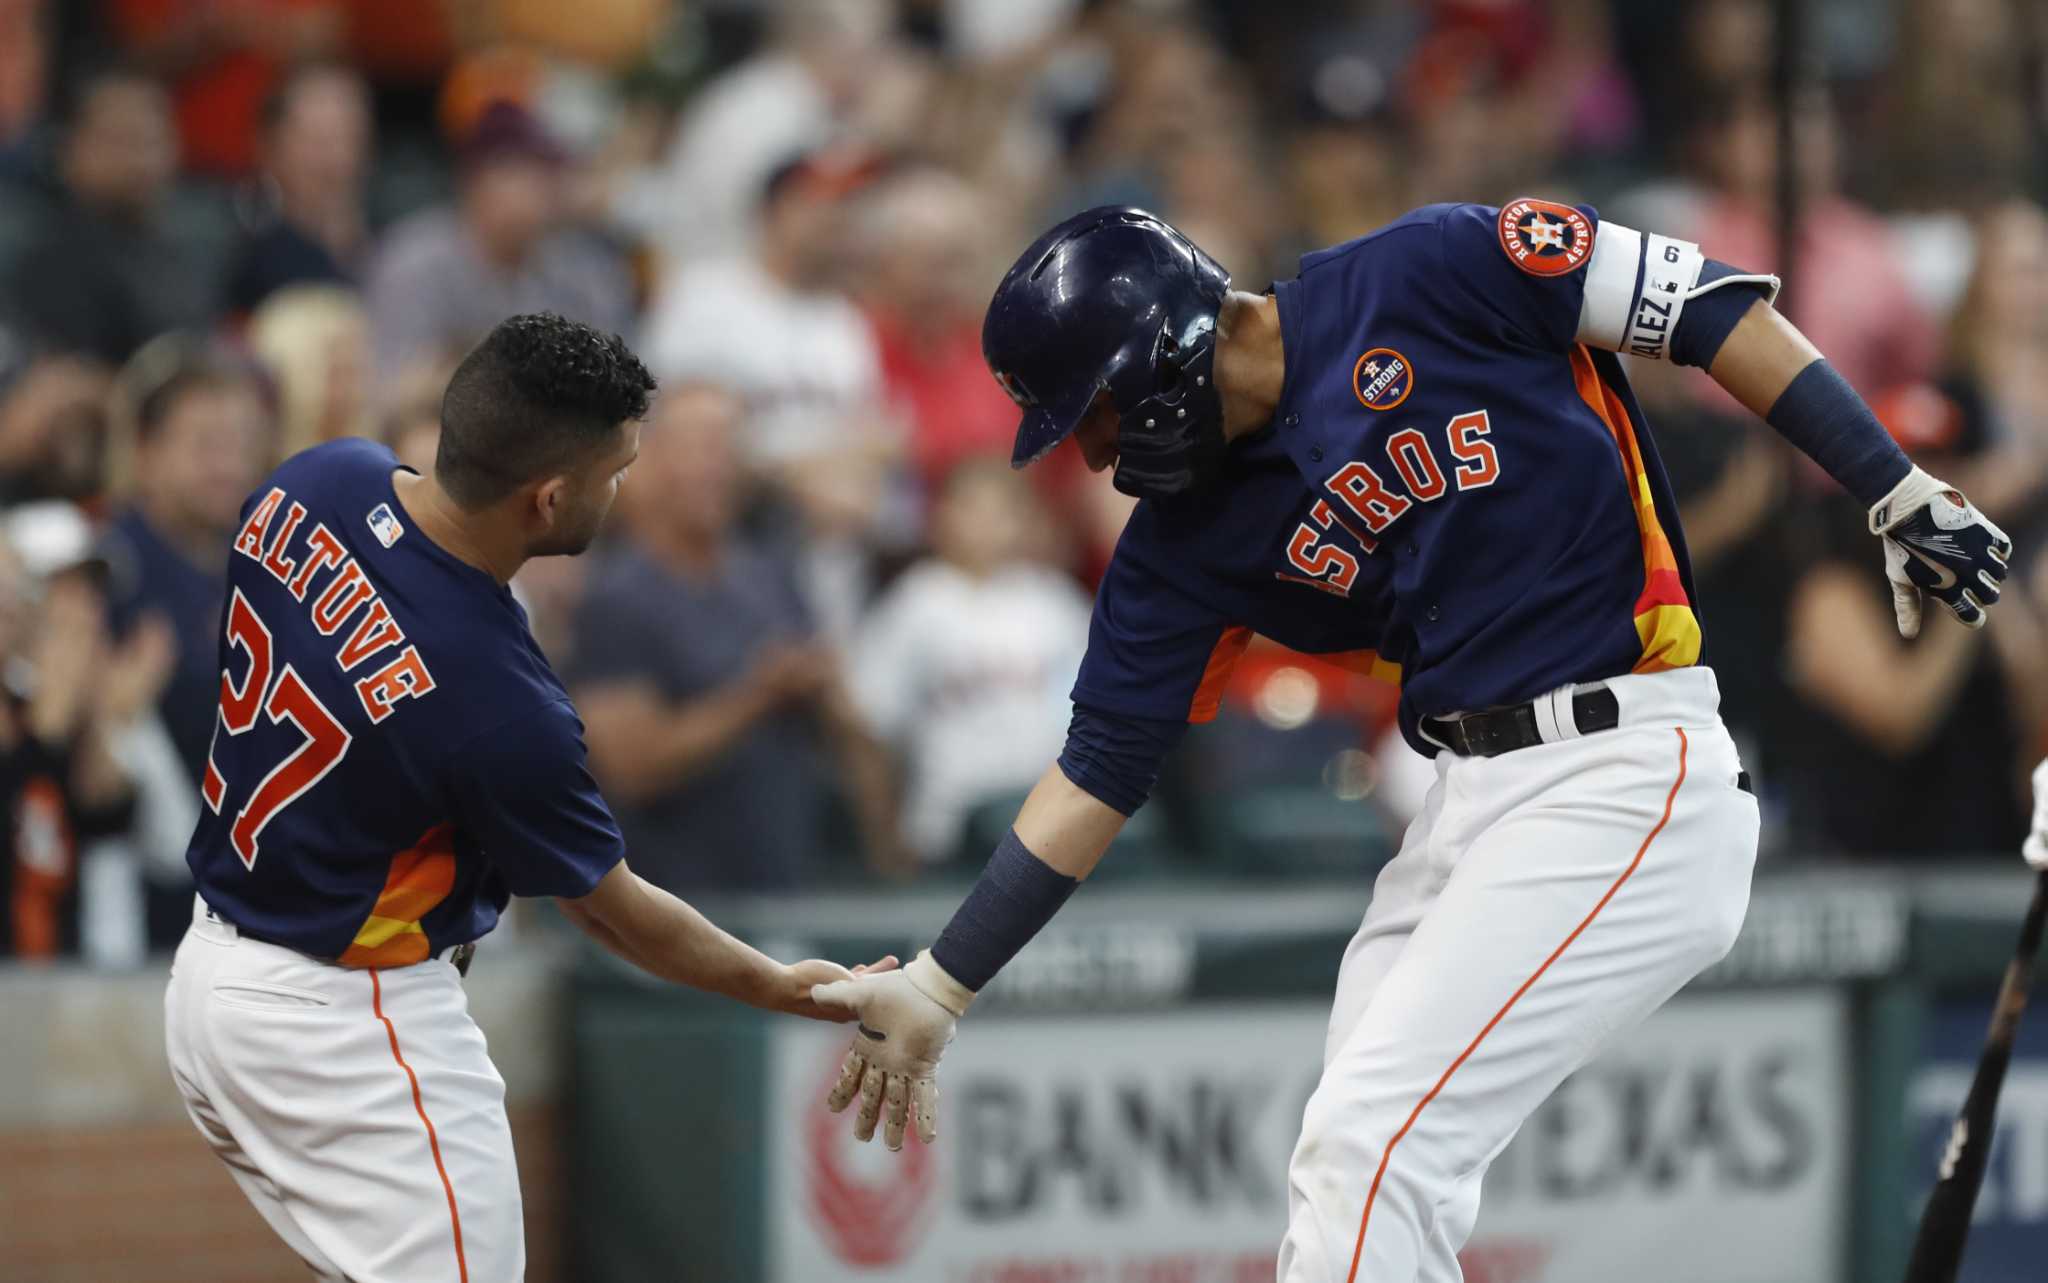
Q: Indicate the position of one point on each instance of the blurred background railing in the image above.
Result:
(829, 636)
(1777, 1122)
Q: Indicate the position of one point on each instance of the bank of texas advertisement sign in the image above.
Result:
(1152, 1148)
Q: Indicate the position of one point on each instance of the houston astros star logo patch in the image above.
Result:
(1544, 238)
(1382, 379)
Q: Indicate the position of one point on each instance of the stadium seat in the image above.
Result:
(1289, 802)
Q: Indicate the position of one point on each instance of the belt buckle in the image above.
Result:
(460, 955)
(1480, 739)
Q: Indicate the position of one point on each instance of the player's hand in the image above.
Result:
(906, 1020)
(1936, 543)
(794, 984)
(2036, 847)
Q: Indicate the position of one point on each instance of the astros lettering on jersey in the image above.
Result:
(1396, 557)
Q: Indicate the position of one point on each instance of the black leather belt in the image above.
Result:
(1503, 730)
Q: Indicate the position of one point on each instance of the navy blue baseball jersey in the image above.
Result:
(1457, 492)
(393, 757)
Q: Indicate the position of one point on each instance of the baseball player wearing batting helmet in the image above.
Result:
(1418, 458)
(394, 760)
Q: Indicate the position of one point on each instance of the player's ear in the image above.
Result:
(549, 500)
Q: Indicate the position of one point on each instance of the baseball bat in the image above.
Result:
(1945, 1224)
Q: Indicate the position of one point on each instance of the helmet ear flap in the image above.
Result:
(1166, 364)
(1171, 443)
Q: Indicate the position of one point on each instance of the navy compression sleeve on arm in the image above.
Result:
(1016, 895)
(1116, 758)
(1708, 319)
(1113, 758)
(1821, 414)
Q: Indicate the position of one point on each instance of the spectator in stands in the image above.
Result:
(1957, 712)
(97, 274)
(202, 438)
(1956, 129)
(925, 239)
(1987, 419)
(1996, 373)
(773, 322)
(24, 80)
(799, 92)
(443, 277)
(1166, 87)
(222, 60)
(1504, 94)
(411, 415)
(717, 722)
(1851, 295)
(1345, 154)
(52, 424)
(314, 340)
(963, 665)
(1679, 54)
(316, 147)
(60, 785)
(774, 325)
(611, 36)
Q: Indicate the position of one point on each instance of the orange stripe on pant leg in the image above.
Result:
(1358, 1251)
(419, 1107)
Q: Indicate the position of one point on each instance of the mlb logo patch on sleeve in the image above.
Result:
(384, 525)
(1544, 238)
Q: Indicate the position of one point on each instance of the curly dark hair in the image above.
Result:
(530, 401)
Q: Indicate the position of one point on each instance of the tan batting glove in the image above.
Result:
(906, 1019)
(2035, 849)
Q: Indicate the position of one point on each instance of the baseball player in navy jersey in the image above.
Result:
(1418, 458)
(394, 759)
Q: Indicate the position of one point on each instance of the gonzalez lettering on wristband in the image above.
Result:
(1660, 299)
(1017, 894)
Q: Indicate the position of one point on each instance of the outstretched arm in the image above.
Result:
(907, 1019)
(1935, 542)
(665, 937)
(1065, 826)
(1657, 298)
(1760, 358)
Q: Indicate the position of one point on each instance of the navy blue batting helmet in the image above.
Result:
(1116, 300)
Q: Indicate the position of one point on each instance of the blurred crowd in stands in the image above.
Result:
(830, 633)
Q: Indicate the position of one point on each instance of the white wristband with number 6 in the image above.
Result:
(906, 1019)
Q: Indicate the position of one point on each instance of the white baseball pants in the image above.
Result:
(1542, 903)
(357, 1109)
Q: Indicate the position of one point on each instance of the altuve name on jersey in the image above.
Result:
(345, 597)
